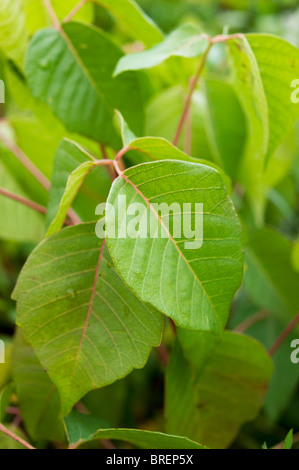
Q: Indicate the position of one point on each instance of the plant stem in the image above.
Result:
(33, 205)
(163, 354)
(122, 152)
(112, 173)
(193, 84)
(107, 444)
(15, 437)
(22, 200)
(36, 173)
(52, 14)
(74, 11)
(289, 328)
(257, 317)
(26, 162)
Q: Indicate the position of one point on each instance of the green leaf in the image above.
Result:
(185, 41)
(269, 277)
(278, 62)
(13, 36)
(192, 286)
(288, 443)
(85, 325)
(74, 183)
(249, 88)
(83, 428)
(83, 59)
(213, 386)
(38, 397)
(136, 23)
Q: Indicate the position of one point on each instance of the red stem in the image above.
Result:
(39, 176)
(52, 14)
(289, 328)
(193, 84)
(22, 200)
(74, 11)
(15, 437)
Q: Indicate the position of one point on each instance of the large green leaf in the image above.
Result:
(192, 286)
(215, 386)
(37, 395)
(82, 428)
(136, 23)
(278, 62)
(269, 277)
(13, 36)
(249, 87)
(185, 41)
(72, 72)
(85, 325)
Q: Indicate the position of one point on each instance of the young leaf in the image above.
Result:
(86, 327)
(74, 183)
(278, 62)
(37, 395)
(249, 87)
(193, 286)
(136, 23)
(69, 156)
(84, 58)
(226, 383)
(185, 41)
(288, 443)
(81, 428)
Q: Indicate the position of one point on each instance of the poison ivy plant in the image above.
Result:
(149, 225)
(192, 286)
(210, 380)
(38, 397)
(81, 429)
(88, 97)
(85, 325)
